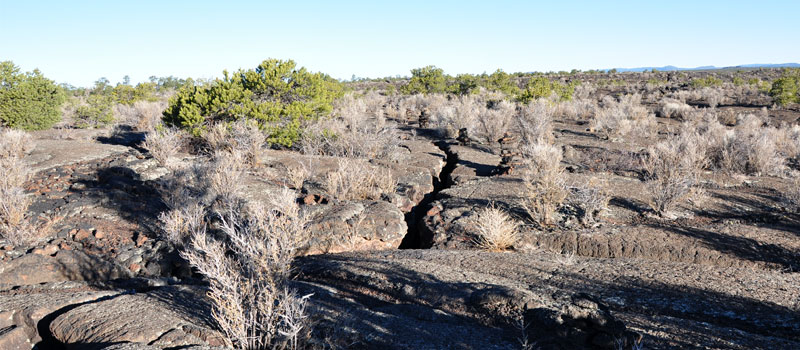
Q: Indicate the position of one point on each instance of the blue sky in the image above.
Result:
(79, 41)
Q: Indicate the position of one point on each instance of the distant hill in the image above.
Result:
(673, 68)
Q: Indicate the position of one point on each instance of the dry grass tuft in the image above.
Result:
(495, 230)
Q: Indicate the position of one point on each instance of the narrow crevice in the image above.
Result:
(415, 217)
(49, 342)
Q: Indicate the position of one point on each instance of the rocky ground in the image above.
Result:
(721, 275)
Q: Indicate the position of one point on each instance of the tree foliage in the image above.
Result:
(28, 101)
(276, 94)
(786, 89)
(426, 80)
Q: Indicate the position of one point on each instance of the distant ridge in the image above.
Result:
(673, 68)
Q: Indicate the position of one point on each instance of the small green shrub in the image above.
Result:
(128, 95)
(276, 94)
(501, 81)
(464, 84)
(426, 80)
(28, 101)
(786, 89)
(95, 113)
(541, 87)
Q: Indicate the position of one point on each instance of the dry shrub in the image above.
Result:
(712, 96)
(181, 223)
(163, 145)
(535, 123)
(672, 168)
(358, 129)
(356, 180)
(14, 202)
(149, 114)
(226, 173)
(590, 200)
(494, 122)
(297, 174)
(14, 143)
(750, 148)
(243, 136)
(671, 108)
(495, 230)
(793, 192)
(575, 108)
(248, 139)
(247, 263)
(787, 141)
(461, 113)
(624, 117)
(545, 189)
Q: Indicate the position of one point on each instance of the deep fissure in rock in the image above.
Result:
(415, 217)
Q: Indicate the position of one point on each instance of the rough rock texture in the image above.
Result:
(165, 317)
(570, 303)
(348, 226)
(66, 265)
(54, 153)
(22, 309)
(442, 226)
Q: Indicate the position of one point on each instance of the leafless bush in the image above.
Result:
(793, 192)
(591, 201)
(149, 114)
(297, 174)
(750, 148)
(14, 143)
(712, 96)
(226, 173)
(627, 116)
(460, 113)
(495, 230)
(671, 108)
(217, 137)
(248, 268)
(545, 189)
(672, 169)
(248, 139)
(181, 223)
(575, 108)
(535, 123)
(14, 202)
(496, 121)
(584, 91)
(358, 129)
(163, 145)
(787, 141)
(355, 180)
